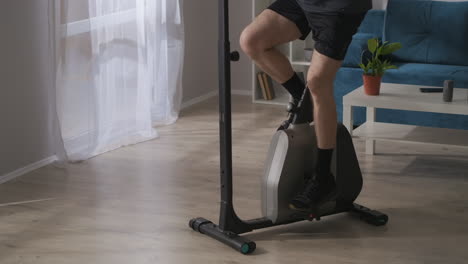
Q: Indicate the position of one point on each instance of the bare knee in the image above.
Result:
(252, 43)
(321, 87)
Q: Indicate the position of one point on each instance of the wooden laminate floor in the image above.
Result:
(133, 205)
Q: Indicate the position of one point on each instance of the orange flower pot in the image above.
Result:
(372, 84)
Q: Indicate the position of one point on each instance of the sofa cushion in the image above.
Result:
(428, 74)
(430, 31)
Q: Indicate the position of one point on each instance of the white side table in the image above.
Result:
(405, 97)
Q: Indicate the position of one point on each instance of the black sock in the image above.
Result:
(295, 86)
(324, 157)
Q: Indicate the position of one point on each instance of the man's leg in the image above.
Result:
(332, 34)
(259, 40)
(320, 80)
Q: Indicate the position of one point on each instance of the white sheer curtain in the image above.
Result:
(119, 68)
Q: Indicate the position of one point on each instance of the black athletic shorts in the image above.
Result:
(331, 31)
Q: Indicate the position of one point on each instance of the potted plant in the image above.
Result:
(376, 65)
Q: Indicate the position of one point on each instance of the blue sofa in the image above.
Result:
(434, 36)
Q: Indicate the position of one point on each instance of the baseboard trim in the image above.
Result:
(211, 94)
(199, 99)
(34, 166)
(242, 92)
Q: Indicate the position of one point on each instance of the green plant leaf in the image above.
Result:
(372, 45)
(390, 48)
(376, 65)
(378, 52)
(364, 67)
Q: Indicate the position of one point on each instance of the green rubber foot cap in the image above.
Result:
(245, 249)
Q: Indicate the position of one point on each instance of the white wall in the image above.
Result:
(201, 52)
(240, 17)
(26, 80)
(200, 63)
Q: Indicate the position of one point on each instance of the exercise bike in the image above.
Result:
(290, 162)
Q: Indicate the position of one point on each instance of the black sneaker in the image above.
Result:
(313, 193)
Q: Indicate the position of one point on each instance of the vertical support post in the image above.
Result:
(228, 220)
(370, 143)
(348, 118)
